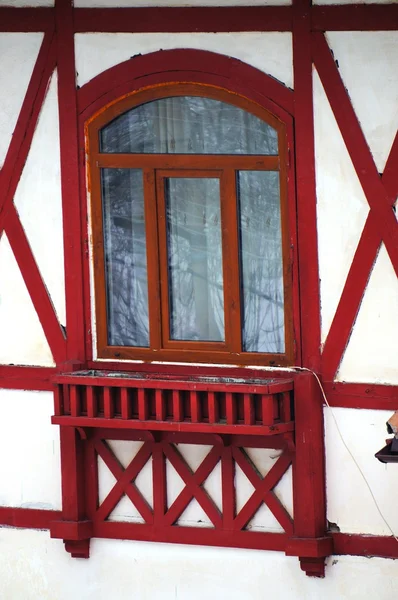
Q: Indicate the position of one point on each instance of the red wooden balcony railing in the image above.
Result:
(231, 415)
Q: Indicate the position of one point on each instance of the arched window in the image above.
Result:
(190, 229)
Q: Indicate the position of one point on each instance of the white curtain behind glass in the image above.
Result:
(195, 125)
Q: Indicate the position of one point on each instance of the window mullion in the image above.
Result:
(231, 268)
(152, 249)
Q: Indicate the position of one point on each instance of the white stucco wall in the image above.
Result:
(18, 53)
(342, 208)
(269, 52)
(349, 502)
(39, 203)
(22, 340)
(368, 64)
(124, 570)
(30, 472)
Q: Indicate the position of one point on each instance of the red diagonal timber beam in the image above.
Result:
(188, 477)
(381, 193)
(186, 495)
(124, 483)
(28, 116)
(263, 491)
(35, 286)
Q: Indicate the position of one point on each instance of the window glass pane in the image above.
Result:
(188, 125)
(261, 261)
(125, 257)
(194, 259)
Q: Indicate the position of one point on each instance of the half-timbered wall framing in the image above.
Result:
(70, 342)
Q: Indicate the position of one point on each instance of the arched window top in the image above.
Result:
(188, 125)
(190, 218)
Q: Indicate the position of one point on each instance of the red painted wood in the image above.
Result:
(183, 535)
(26, 19)
(248, 409)
(365, 545)
(379, 193)
(124, 483)
(177, 406)
(305, 184)
(262, 491)
(125, 404)
(170, 426)
(160, 405)
(187, 19)
(24, 129)
(74, 403)
(70, 180)
(308, 466)
(91, 403)
(26, 378)
(106, 378)
(159, 484)
(355, 17)
(35, 286)
(108, 404)
(142, 405)
(267, 408)
(230, 408)
(192, 487)
(72, 463)
(228, 487)
(185, 65)
(27, 518)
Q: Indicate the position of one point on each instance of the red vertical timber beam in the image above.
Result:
(309, 542)
(72, 224)
(305, 182)
(74, 528)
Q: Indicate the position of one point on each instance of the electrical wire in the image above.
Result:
(350, 452)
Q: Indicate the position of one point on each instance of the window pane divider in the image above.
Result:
(187, 161)
(152, 249)
(232, 300)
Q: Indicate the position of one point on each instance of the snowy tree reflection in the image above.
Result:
(193, 125)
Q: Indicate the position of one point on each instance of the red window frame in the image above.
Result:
(224, 167)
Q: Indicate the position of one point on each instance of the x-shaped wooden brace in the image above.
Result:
(124, 481)
(263, 490)
(193, 481)
(9, 177)
(381, 194)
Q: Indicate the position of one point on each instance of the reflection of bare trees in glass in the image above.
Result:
(125, 257)
(195, 259)
(193, 125)
(261, 261)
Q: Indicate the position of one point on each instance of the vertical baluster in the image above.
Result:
(267, 406)
(66, 399)
(248, 406)
(213, 408)
(286, 408)
(195, 408)
(230, 408)
(177, 406)
(58, 401)
(108, 404)
(160, 405)
(125, 404)
(74, 401)
(91, 402)
(142, 406)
